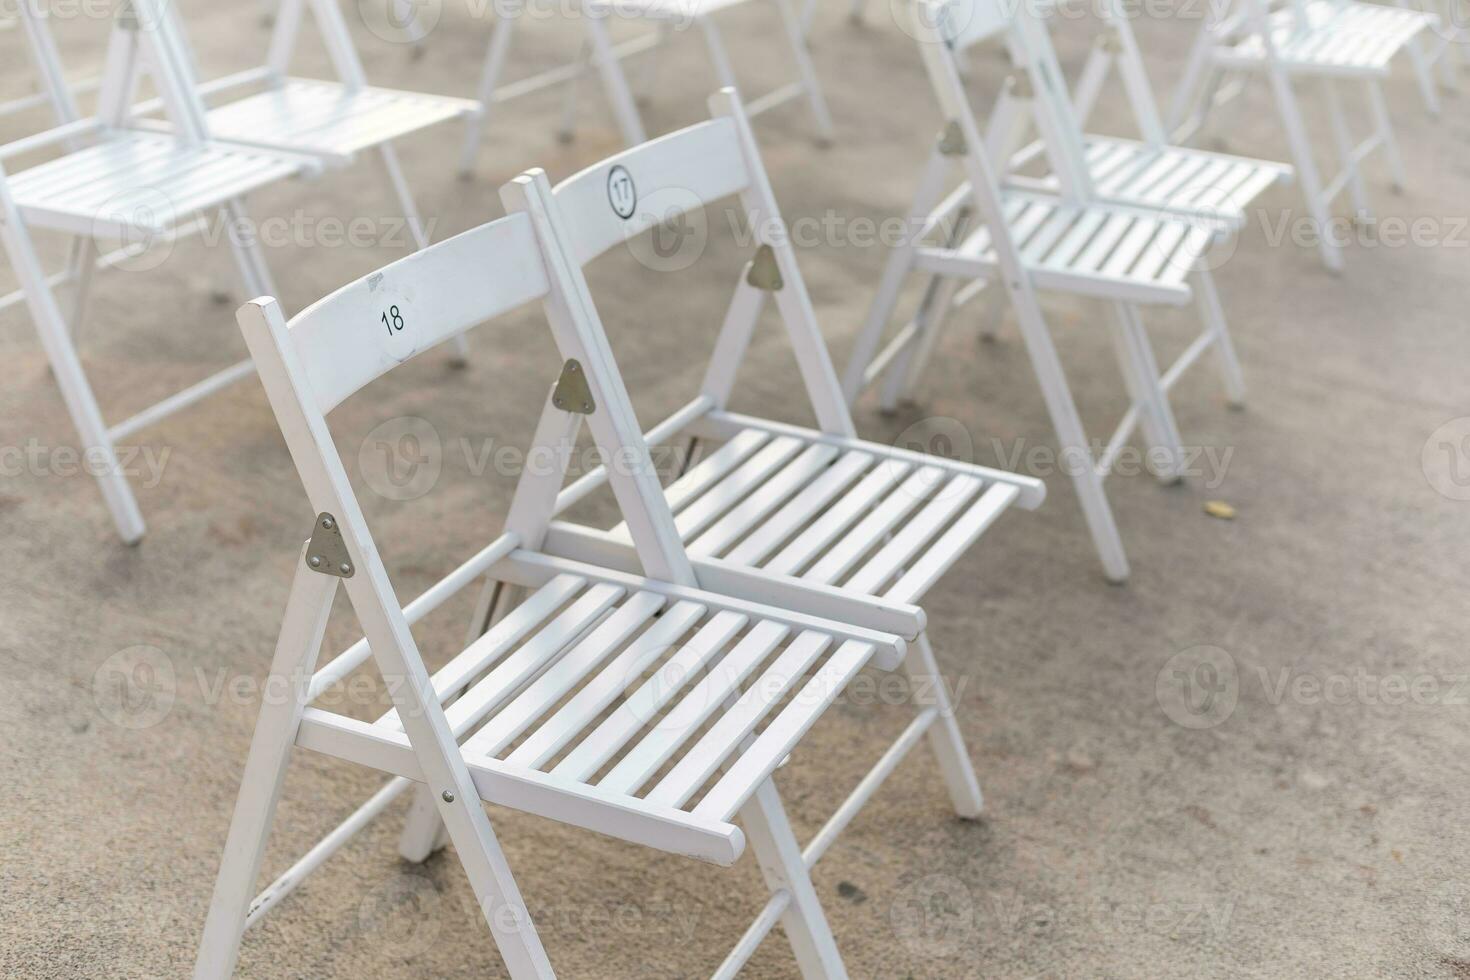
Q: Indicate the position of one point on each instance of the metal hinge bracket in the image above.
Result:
(572, 393)
(765, 272)
(952, 140)
(326, 552)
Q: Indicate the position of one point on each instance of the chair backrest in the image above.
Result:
(335, 36)
(979, 171)
(607, 204)
(1125, 54)
(627, 195)
(360, 332)
(947, 26)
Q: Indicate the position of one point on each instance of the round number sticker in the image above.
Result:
(621, 193)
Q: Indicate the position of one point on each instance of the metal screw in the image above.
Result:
(572, 367)
(448, 796)
(315, 561)
(557, 401)
(344, 568)
(328, 523)
(587, 407)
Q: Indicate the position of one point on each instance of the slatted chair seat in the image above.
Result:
(1350, 39)
(330, 118)
(666, 762)
(1089, 250)
(854, 515)
(1146, 172)
(140, 181)
(660, 9)
(1176, 179)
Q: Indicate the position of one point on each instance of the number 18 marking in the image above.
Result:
(393, 320)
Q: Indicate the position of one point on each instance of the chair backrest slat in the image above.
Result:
(625, 195)
(365, 328)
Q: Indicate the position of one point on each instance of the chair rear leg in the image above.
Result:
(305, 621)
(904, 374)
(810, 83)
(566, 128)
(76, 391)
(1195, 69)
(81, 266)
(614, 81)
(779, 855)
(1384, 126)
(1424, 75)
(649, 80)
(944, 734)
(1076, 453)
(495, 56)
(900, 263)
(1307, 173)
(1345, 150)
(424, 833)
(1141, 375)
(1214, 316)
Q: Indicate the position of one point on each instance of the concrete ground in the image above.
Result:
(1310, 823)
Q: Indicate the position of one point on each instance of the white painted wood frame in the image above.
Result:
(125, 177)
(1064, 240)
(536, 713)
(1324, 43)
(604, 56)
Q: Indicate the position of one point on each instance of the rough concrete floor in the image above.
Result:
(1315, 830)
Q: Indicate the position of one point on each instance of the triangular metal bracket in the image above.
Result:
(326, 552)
(952, 140)
(572, 393)
(765, 272)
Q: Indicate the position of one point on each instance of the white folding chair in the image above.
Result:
(537, 714)
(1148, 172)
(599, 51)
(137, 180)
(333, 120)
(1323, 40)
(775, 507)
(1032, 240)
